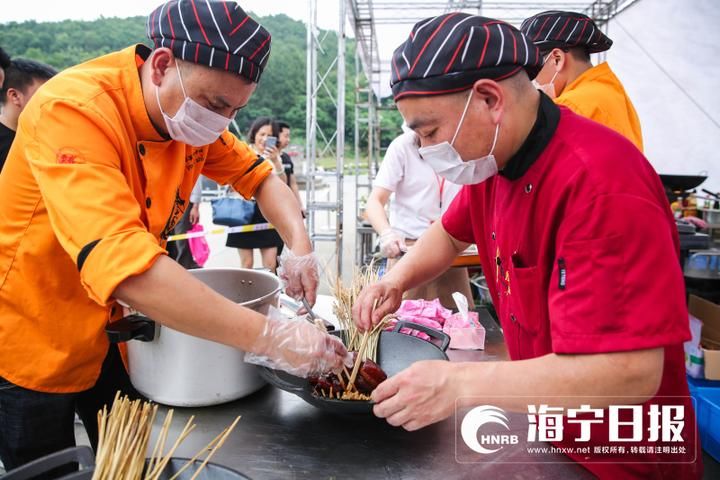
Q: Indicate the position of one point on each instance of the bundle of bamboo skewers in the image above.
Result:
(345, 298)
(124, 437)
(364, 343)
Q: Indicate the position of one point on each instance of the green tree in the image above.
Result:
(281, 92)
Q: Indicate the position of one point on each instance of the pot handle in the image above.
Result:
(442, 337)
(132, 327)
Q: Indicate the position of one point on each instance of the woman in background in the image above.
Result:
(268, 241)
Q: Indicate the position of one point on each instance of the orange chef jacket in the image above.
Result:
(89, 193)
(598, 94)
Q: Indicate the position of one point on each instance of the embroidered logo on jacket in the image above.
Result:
(67, 156)
(195, 157)
(177, 212)
(502, 275)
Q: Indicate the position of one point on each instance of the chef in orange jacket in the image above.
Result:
(105, 158)
(566, 40)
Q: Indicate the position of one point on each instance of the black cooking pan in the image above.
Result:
(85, 458)
(396, 351)
(682, 182)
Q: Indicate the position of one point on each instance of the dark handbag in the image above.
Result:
(232, 212)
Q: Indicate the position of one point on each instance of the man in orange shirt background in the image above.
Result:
(566, 40)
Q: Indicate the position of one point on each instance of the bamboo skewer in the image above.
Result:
(124, 435)
(219, 445)
(207, 448)
(342, 382)
(160, 442)
(138, 446)
(358, 360)
(155, 473)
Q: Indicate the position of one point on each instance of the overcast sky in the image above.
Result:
(393, 25)
(54, 10)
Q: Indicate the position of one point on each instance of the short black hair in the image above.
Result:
(257, 125)
(279, 126)
(4, 59)
(580, 53)
(22, 73)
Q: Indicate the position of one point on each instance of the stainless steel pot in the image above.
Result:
(177, 369)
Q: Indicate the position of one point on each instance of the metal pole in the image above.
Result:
(358, 250)
(310, 113)
(340, 139)
(371, 126)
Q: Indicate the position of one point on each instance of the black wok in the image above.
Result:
(396, 351)
(682, 182)
(84, 456)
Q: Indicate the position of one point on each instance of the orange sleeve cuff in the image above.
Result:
(115, 258)
(248, 184)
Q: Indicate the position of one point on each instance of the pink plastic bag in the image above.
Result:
(429, 313)
(198, 246)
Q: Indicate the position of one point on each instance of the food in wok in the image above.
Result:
(366, 374)
(338, 386)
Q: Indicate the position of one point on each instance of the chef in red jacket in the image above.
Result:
(575, 237)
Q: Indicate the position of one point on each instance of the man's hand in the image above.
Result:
(375, 302)
(301, 275)
(392, 244)
(297, 347)
(431, 255)
(194, 216)
(413, 399)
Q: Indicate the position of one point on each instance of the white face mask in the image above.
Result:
(193, 124)
(548, 88)
(446, 161)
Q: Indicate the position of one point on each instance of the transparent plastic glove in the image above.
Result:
(301, 275)
(297, 347)
(392, 244)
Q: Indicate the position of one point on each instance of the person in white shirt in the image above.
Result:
(420, 197)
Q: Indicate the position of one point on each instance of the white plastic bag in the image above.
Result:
(694, 362)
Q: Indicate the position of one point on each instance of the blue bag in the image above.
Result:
(232, 212)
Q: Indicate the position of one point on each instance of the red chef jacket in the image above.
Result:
(580, 251)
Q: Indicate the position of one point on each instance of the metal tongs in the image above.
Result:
(314, 318)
